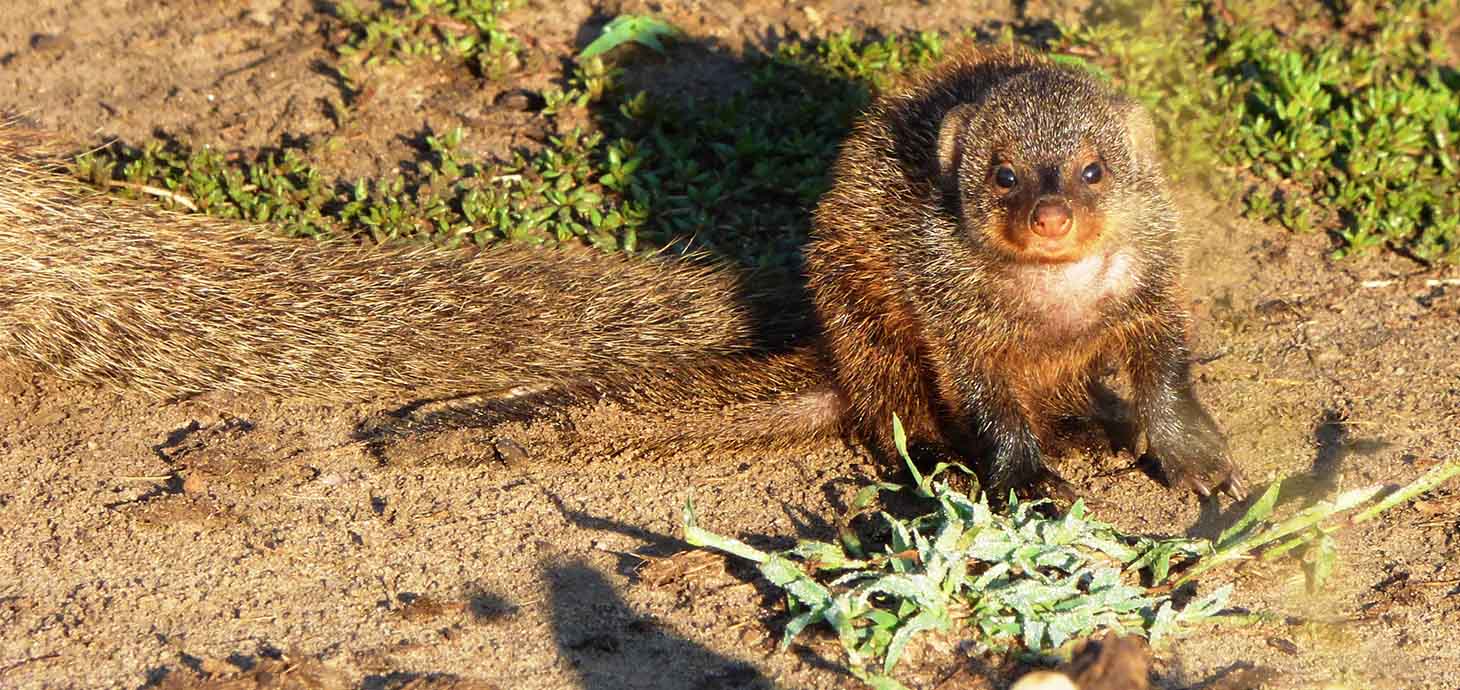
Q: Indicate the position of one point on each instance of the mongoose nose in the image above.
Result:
(1052, 219)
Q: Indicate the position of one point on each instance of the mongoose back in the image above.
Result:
(997, 232)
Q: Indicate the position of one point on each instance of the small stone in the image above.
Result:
(47, 43)
(519, 99)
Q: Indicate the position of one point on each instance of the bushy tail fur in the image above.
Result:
(99, 289)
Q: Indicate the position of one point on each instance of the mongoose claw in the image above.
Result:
(1193, 455)
(1236, 485)
(1052, 485)
(1201, 471)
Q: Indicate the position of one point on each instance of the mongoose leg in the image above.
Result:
(875, 362)
(1012, 456)
(1180, 435)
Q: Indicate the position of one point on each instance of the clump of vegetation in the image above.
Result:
(1345, 122)
(575, 188)
(1026, 580)
(465, 30)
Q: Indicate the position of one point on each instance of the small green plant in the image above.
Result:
(630, 28)
(1024, 580)
(281, 189)
(559, 194)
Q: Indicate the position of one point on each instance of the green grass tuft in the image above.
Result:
(1026, 580)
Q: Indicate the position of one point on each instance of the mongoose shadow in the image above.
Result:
(1333, 443)
(611, 646)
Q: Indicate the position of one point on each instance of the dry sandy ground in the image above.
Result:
(249, 542)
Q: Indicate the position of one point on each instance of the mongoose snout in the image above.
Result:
(1052, 218)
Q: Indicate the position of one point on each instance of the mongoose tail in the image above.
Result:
(99, 289)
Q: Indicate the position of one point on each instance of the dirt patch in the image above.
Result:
(238, 542)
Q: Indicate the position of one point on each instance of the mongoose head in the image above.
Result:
(1048, 167)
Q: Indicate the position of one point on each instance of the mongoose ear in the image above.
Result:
(949, 142)
(1140, 135)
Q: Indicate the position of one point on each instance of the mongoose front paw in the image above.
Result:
(1192, 454)
(1017, 463)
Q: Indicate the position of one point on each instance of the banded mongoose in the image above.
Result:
(997, 230)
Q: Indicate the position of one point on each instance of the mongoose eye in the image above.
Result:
(1004, 177)
(1092, 173)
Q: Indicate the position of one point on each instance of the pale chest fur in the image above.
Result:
(1070, 298)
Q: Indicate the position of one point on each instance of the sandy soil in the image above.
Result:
(239, 542)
